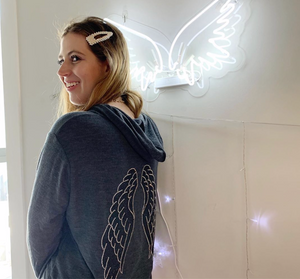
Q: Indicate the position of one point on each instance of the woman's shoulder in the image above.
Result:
(147, 119)
(72, 120)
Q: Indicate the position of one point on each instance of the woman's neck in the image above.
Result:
(119, 103)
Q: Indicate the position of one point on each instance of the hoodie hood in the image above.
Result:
(141, 133)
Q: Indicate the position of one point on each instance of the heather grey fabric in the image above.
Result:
(92, 210)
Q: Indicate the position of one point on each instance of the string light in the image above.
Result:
(168, 199)
(262, 221)
(161, 251)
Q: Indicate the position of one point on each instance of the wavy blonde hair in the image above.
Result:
(117, 82)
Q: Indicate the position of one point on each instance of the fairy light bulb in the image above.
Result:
(168, 199)
(161, 252)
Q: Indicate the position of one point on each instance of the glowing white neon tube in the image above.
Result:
(143, 36)
(217, 60)
(187, 71)
(213, 21)
(172, 67)
(191, 71)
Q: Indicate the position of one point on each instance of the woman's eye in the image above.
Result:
(75, 58)
(60, 62)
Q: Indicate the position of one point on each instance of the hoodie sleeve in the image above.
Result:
(48, 204)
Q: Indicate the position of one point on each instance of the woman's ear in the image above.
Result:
(107, 66)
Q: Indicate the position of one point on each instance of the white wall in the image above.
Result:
(214, 197)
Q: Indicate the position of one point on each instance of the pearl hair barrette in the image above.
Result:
(91, 39)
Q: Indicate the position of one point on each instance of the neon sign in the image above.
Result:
(206, 46)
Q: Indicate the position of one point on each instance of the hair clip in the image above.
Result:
(91, 39)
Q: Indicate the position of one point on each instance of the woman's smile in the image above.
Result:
(70, 86)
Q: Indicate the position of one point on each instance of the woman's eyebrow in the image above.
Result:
(70, 52)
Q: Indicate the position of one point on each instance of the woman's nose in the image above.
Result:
(64, 70)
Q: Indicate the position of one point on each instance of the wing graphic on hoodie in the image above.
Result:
(148, 212)
(117, 235)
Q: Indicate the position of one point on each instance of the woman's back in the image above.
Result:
(99, 188)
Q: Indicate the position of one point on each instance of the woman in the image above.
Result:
(92, 210)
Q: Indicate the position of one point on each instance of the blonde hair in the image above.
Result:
(117, 82)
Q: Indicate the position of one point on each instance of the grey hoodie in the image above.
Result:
(92, 210)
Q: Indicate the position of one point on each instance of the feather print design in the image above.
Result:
(117, 235)
(148, 212)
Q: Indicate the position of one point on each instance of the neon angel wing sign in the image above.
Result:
(206, 46)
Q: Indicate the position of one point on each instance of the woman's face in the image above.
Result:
(80, 70)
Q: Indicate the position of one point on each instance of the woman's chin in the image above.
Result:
(75, 101)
